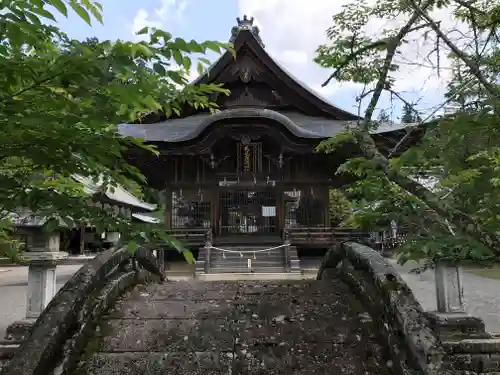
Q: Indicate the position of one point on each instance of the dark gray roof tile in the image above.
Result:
(184, 129)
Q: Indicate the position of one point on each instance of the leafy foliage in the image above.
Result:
(61, 101)
(339, 206)
(410, 114)
(445, 191)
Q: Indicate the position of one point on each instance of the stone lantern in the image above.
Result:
(43, 253)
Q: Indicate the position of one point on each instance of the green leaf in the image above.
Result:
(179, 246)
(132, 246)
(181, 44)
(178, 58)
(81, 12)
(200, 68)
(96, 13)
(43, 13)
(150, 102)
(98, 5)
(204, 61)
(194, 46)
(177, 77)
(59, 5)
(159, 68)
(143, 49)
(143, 31)
(33, 18)
(213, 46)
(188, 256)
(186, 62)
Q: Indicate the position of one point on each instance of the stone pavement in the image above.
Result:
(238, 327)
(481, 295)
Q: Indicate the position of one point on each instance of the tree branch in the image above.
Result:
(410, 130)
(472, 65)
(37, 83)
(361, 50)
(460, 220)
(352, 56)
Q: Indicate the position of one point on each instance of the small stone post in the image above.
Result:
(43, 257)
(449, 290)
(208, 249)
(287, 243)
(451, 322)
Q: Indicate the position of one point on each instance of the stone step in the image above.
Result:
(249, 276)
(245, 260)
(245, 265)
(478, 346)
(233, 327)
(261, 262)
(456, 325)
(246, 270)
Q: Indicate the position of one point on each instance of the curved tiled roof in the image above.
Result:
(117, 193)
(323, 125)
(300, 125)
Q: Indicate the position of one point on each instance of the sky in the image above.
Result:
(290, 29)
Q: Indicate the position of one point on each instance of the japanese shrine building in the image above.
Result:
(249, 171)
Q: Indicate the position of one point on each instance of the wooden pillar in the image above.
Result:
(213, 194)
(280, 209)
(325, 197)
(168, 208)
(82, 240)
(328, 218)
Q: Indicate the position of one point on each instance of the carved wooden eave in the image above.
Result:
(265, 96)
(253, 63)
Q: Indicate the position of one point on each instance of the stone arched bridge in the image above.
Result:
(117, 315)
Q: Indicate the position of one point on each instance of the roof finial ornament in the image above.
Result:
(245, 24)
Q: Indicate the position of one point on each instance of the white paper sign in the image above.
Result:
(268, 211)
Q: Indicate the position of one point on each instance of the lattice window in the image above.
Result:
(304, 209)
(247, 211)
(190, 210)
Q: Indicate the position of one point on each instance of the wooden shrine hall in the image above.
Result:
(250, 172)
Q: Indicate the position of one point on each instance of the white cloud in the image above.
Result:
(292, 30)
(167, 11)
(141, 20)
(171, 8)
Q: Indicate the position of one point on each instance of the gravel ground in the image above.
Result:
(481, 295)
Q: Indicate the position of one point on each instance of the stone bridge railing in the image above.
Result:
(57, 340)
(418, 342)
(397, 317)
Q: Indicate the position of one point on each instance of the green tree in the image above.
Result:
(383, 116)
(446, 189)
(61, 101)
(339, 207)
(410, 114)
